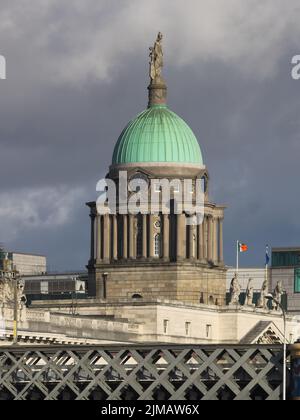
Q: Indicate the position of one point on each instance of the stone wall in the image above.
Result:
(185, 282)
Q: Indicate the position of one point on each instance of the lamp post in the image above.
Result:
(271, 298)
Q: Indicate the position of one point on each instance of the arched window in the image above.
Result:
(157, 245)
(204, 180)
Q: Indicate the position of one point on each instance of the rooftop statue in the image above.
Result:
(277, 294)
(11, 287)
(249, 293)
(262, 302)
(156, 60)
(235, 291)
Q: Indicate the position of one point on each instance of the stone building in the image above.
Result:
(153, 276)
(158, 255)
(286, 269)
(26, 264)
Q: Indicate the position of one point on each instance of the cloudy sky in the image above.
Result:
(77, 73)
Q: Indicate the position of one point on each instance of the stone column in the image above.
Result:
(216, 241)
(99, 238)
(221, 251)
(106, 238)
(201, 241)
(93, 218)
(115, 237)
(125, 236)
(166, 236)
(151, 236)
(209, 239)
(204, 233)
(181, 237)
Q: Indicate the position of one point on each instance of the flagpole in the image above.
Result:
(237, 257)
(267, 265)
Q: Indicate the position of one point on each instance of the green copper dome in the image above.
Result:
(157, 135)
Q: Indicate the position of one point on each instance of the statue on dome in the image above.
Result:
(156, 60)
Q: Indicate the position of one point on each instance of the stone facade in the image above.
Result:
(185, 282)
(158, 255)
(98, 322)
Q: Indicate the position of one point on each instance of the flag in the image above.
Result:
(243, 247)
(267, 255)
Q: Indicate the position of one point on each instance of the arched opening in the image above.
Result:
(137, 296)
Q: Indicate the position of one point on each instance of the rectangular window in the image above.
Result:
(187, 328)
(297, 280)
(44, 288)
(166, 326)
(208, 331)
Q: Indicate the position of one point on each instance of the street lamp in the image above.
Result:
(271, 298)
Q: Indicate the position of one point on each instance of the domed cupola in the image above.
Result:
(157, 135)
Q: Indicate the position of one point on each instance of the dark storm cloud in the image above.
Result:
(77, 72)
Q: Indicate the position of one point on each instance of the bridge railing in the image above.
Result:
(157, 372)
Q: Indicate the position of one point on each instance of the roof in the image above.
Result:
(157, 135)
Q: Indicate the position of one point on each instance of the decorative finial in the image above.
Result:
(157, 87)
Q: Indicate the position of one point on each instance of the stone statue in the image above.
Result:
(152, 71)
(277, 294)
(235, 291)
(249, 294)
(2, 291)
(262, 302)
(11, 290)
(156, 60)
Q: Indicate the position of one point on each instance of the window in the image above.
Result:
(208, 331)
(157, 245)
(44, 288)
(297, 280)
(204, 182)
(187, 328)
(166, 326)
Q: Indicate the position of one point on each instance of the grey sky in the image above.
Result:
(77, 72)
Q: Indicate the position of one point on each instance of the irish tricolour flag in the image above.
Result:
(240, 247)
(243, 247)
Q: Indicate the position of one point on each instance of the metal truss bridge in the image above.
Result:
(157, 372)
